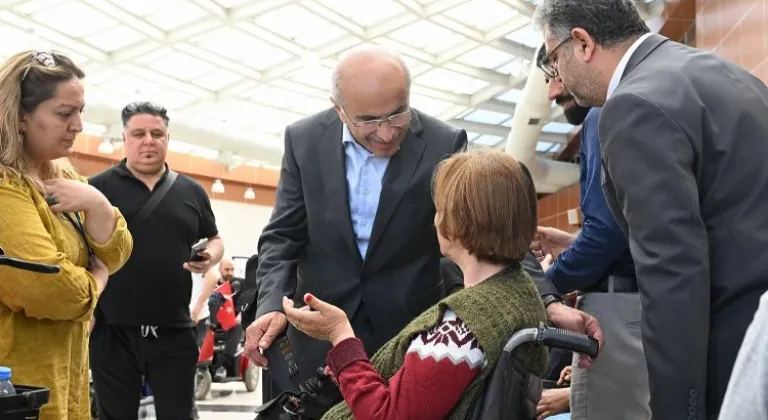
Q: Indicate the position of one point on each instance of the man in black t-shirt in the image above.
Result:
(143, 326)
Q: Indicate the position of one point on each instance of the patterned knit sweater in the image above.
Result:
(436, 366)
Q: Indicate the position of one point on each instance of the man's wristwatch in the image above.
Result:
(551, 298)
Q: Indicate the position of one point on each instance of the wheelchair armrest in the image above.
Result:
(554, 337)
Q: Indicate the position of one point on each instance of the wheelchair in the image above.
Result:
(213, 366)
(510, 392)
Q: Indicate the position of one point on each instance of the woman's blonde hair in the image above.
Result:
(26, 80)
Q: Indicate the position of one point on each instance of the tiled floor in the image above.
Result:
(229, 402)
(226, 402)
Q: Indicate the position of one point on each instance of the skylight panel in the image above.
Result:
(248, 135)
(216, 79)
(94, 97)
(515, 67)
(464, 113)
(154, 55)
(74, 18)
(488, 140)
(420, 34)
(275, 96)
(361, 13)
(415, 66)
(14, 40)
(429, 106)
(487, 117)
(226, 41)
(231, 3)
(544, 146)
(451, 82)
(176, 15)
(273, 120)
(239, 46)
(129, 85)
(147, 8)
(292, 21)
(101, 77)
(173, 99)
(512, 95)
(482, 14)
(114, 38)
(486, 57)
(29, 7)
(313, 40)
(319, 77)
(444, 44)
(311, 106)
(181, 66)
(557, 127)
(262, 55)
(528, 35)
(299, 100)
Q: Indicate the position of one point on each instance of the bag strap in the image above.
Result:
(154, 199)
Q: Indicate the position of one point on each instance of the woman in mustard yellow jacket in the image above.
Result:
(49, 214)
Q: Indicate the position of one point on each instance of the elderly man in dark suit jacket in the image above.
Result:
(353, 219)
(684, 135)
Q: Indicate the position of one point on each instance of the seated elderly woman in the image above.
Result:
(49, 214)
(436, 366)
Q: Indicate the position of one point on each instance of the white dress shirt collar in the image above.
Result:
(616, 78)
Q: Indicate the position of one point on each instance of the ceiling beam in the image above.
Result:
(514, 48)
(24, 24)
(523, 7)
(502, 131)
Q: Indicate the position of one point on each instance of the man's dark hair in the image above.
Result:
(143, 107)
(609, 22)
(541, 53)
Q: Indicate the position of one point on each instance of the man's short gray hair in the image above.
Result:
(336, 76)
(609, 22)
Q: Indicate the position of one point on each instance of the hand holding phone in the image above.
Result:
(199, 247)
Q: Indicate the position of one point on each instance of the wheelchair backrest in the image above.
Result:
(510, 392)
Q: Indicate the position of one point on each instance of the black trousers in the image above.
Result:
(121, 355)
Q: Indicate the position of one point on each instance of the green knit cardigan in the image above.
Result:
(493, 310)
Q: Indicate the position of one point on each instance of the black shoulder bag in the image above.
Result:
(154, 199)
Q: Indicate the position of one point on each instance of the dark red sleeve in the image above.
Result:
(438, 367)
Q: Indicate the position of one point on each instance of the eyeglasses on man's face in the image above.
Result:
(397, 121)
(548, 65)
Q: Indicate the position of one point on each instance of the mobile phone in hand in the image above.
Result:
(202, 245)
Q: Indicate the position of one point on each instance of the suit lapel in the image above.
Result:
(333, 163)
(397, 178)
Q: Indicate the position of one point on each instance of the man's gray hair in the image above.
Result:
(336, 76)
(609, 22)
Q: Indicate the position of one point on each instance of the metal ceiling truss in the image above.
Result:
(158, 40)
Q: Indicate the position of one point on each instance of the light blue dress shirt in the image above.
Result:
(365, 175)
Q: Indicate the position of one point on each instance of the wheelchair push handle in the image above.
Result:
(568, 340)
(27, 265)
